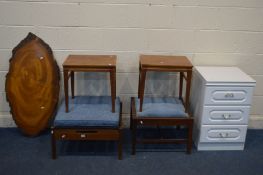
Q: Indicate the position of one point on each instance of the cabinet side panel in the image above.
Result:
(196, 103)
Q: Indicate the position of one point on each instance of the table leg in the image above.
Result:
(134, 135)
(113, 88)
(139, 84)
(181, 85)
(142, 86)
(66, 88)
(188, 88)
(72, 83)
(120, 145)
(53, 145)
(190, 141)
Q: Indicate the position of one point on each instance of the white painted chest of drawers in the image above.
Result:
(220, 103)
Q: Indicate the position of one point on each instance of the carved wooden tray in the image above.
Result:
(32, 85)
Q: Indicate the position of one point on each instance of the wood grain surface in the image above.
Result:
(165, 61)
(32, 85)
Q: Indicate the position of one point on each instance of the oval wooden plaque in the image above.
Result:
(32, 85)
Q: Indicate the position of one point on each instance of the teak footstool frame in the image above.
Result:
(89, 134)
(89, 63)
(163, 64)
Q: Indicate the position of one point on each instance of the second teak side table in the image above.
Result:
(162, 111)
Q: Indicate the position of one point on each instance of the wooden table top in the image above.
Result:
(90, 61)
(163, 61)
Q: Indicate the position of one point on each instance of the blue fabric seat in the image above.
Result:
(88, 111)
(160, 107)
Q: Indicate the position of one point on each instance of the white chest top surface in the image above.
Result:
(223, 75)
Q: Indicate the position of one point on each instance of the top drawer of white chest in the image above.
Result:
(228, 95)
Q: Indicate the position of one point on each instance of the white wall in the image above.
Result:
(209, 32)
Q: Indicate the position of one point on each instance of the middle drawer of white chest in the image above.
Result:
(225, 115)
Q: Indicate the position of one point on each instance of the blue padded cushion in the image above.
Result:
(88, 111)
(160, 107)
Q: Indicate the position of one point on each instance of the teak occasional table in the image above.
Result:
(166, 64)
(162, 111)
(89, 63)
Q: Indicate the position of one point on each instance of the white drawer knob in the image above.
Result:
(141, 122)
(223, 135)
(82, 135)
(227, 95)
(63, 136)
(226, 116)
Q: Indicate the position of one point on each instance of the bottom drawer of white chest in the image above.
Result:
(224, 133)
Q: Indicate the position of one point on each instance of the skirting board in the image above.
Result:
(255, 121)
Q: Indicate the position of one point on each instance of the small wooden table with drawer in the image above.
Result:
(221, 101)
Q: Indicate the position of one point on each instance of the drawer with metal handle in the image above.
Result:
(227, 95)
(76, 134)
(231, 133)
(227, 115)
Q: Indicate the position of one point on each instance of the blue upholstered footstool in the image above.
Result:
(159, 112)
(160, 107)
(89, 111)
(90, 118)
